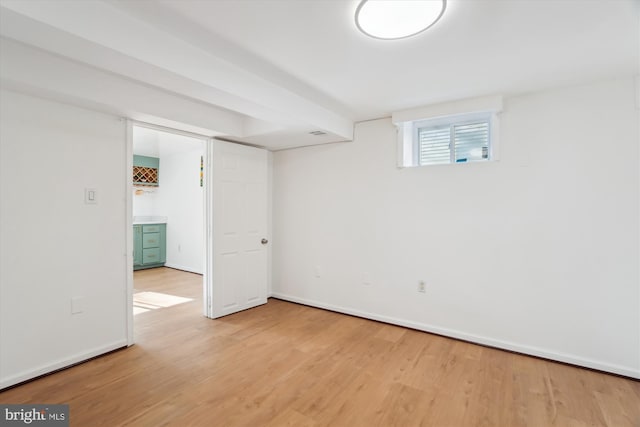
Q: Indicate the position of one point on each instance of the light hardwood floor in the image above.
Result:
(286, 364)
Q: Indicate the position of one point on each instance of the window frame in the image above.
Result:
(451, 121)
(404, 120)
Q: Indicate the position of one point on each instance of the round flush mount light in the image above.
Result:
(397, 19)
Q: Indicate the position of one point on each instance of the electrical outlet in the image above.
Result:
(366, 279)
(422, 287)
(77, 305)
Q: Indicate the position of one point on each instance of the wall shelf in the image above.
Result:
(143, 176)
(146, 171)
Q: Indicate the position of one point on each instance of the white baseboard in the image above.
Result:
(62, 363)
(478, 339)
(183, 268)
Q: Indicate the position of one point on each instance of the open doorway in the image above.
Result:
(233, 181)
(167, 202)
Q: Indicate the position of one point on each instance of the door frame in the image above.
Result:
(207, 279)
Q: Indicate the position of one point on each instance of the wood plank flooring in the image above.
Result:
(284, 364)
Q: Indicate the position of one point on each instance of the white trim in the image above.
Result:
(494, 145)
(492, 104)
(166, 129)
(60, 364)
(456, 119)
(207, 265)
(269, 231)
(637, 81)
(478, 339)
(183, 268)
(129, 230)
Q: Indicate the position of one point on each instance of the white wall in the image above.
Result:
(53, 246)
(537, 252)
(180, 198)
(145, 204)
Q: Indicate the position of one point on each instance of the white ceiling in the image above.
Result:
(479, 47)
(269, 72)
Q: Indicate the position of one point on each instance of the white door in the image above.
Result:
(238, 219)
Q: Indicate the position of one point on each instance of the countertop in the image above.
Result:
(140, 220)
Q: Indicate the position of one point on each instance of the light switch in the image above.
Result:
(90, 196)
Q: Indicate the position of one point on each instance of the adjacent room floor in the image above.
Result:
(288, 364)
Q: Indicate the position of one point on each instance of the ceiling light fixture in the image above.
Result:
(397, 19)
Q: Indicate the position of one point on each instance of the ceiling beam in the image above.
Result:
(38, 72)
(107, 37)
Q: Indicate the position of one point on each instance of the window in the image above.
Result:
(463, 131)
(454, 139)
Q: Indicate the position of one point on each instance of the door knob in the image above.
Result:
(264, 241)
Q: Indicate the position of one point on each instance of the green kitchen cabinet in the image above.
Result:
(150, 245)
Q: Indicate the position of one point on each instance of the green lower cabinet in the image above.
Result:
(150, 245)
(137, 245)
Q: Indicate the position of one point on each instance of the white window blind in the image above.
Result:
(454, 142)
